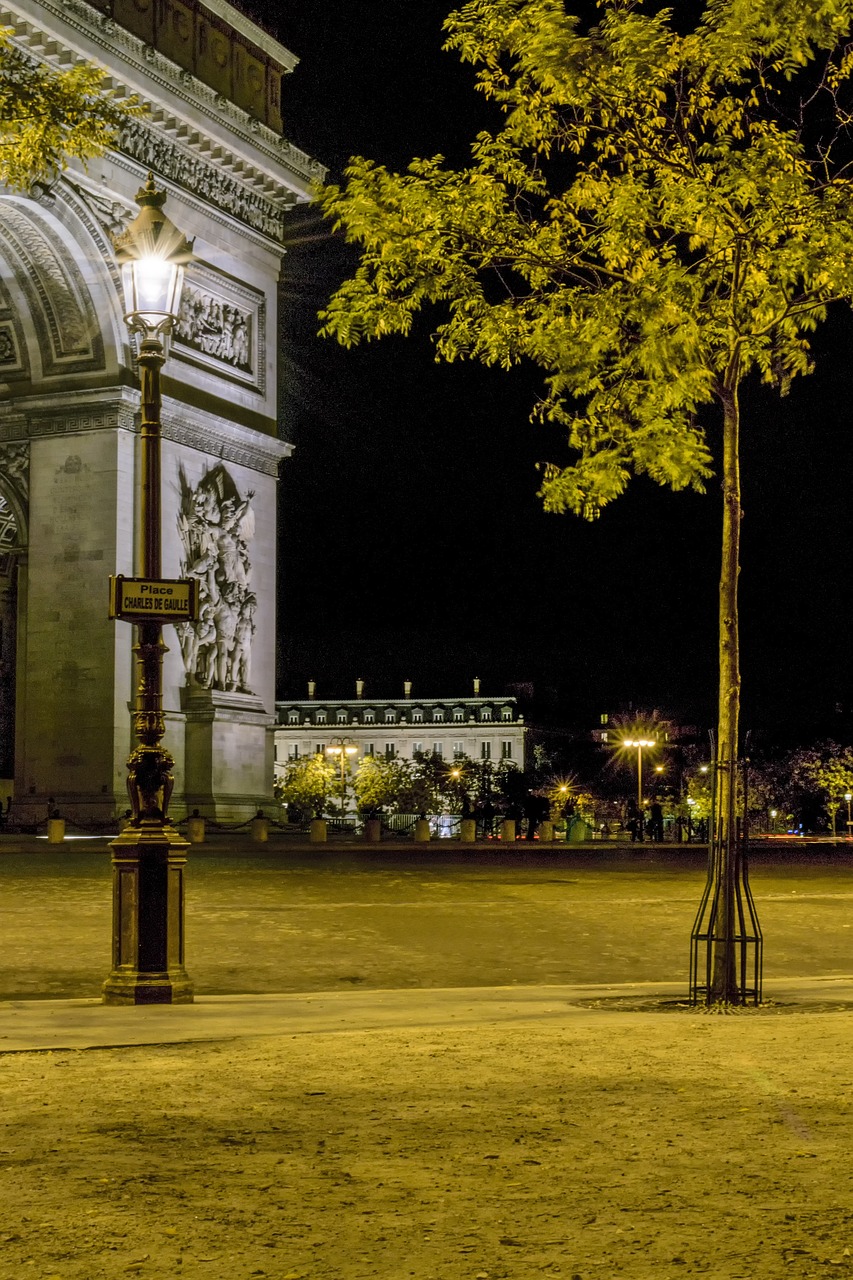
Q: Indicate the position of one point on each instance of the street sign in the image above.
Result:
(153, 599)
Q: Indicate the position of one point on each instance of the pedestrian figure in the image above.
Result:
(656, 821)
(634, 821)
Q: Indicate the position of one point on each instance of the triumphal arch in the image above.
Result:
(211, 134)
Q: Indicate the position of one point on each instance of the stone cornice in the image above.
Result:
(219, 438)
(253, 154)
(101, 410)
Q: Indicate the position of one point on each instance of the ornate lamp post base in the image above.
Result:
(148, 917)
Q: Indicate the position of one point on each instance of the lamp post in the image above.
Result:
(343, 753)
(639, 743)
(149, 856)
(848, 796)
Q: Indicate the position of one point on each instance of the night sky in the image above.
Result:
(412, 542)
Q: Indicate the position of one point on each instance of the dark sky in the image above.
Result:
(412, 542)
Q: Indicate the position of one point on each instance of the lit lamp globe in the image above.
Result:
(152, 254)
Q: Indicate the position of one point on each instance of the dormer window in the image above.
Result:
(485, 713)
(390, 717)
(293, 717)
(438, 715)
(342, 717)
(417, 716)
(369, 717)
(506, 713)
(320, 717)
(458, 714)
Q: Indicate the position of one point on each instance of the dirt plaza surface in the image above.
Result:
(498, 1129)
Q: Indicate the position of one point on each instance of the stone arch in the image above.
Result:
(60, 312)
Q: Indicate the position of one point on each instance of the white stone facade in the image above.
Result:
(479, 727)
(69, 400)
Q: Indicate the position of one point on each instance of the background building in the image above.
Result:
(480, 727)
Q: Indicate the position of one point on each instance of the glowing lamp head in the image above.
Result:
(152, 254)
(848, 796)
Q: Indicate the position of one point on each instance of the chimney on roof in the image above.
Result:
(359, 688)
(407, 688)
(312, 688)
(476, 686)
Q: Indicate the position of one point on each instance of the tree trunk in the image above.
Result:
(724, 983)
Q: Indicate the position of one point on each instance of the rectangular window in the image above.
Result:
(438, 715)
(369, 748)
(320, 749)
(506, 714)
(485, 713)
(293, 751)
(506, 749)
(458, 750)
(417, 748)
(320, 717)
(390, 717)
(458, 716)
(293, 717)
(438, 749)
(417, 717)
(390, 751)
(485, 750)
(342, 717)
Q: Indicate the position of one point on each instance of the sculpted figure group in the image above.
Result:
(215, 526)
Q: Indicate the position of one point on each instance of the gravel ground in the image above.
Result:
(594, 1145)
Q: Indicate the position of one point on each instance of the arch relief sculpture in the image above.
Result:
(216, 525)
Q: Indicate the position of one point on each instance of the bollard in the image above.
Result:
(508, 829)
(372, 830)
(317, 831)
(195, 829)
(546, 832)
(468, 831)
(55, 830)
(260, 828)
(421, 831)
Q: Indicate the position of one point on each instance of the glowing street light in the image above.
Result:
(343, 753)
(149, 856)
(848, 796)
(639, 743)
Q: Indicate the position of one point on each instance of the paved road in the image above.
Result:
(303, 920)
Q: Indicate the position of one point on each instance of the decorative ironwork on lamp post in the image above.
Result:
(149, 855)
(343, 750)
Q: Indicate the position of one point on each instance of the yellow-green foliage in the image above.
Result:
(308, 783)
(656, 213)
(49, 115)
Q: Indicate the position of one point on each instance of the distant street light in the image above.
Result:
(342, 752)
(848, 796)
(639, 743)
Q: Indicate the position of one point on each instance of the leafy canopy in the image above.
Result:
(48, 116)
(660, 212)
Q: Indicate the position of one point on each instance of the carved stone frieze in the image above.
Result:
(222, 325)
(15, 467)
(202, 178)
(216, 525)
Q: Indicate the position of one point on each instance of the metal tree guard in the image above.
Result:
(726, 924)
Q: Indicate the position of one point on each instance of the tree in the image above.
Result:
(308, 783)
(660, 213)
(382, 784)
(49, 115)
(826, 772)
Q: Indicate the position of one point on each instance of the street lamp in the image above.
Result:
(342, 752)
(639, 743)
(149, 856)
(848, 796)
